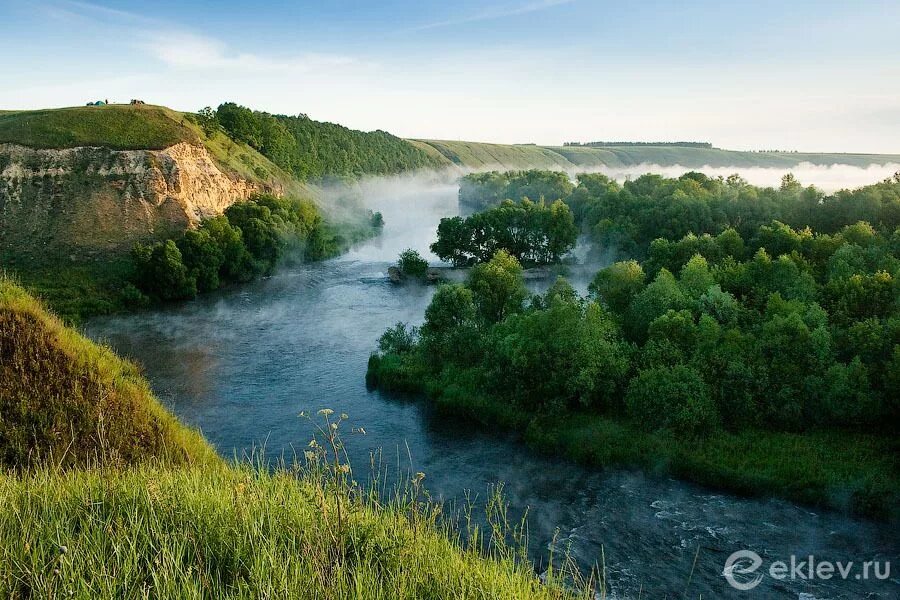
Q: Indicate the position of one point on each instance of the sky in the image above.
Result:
(792, 75)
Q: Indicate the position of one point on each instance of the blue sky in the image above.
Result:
(794, 75)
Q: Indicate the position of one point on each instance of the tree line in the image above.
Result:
(248, 240)
(311, 149)
(629, 216)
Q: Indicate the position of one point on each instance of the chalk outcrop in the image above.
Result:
(87, 202)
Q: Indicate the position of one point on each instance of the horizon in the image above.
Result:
(806, 76)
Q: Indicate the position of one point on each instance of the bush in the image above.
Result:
(411, 264)
(161, 272)
(673, 398)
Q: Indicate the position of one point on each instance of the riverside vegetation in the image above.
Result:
(250, 239)
(106, 495)
(738, 350)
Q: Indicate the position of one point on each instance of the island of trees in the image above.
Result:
(752, 342)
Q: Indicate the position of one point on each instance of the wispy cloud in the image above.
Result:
(179, 47)
(491, 13)
(188, 50)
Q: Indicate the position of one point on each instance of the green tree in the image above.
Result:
(161, 272)
(202, 257)
(617, 285)
(411, 264)
(498, 289)
(673, 398)
(450, 332)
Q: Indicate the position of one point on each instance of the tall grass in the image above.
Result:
(243, 532)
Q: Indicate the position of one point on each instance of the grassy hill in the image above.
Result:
(103, 494)
(484, 156)
(120, 127)
(66, 400)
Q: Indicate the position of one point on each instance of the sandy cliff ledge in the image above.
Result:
(84, 202)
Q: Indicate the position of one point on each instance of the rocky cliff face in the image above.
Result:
(87, 202)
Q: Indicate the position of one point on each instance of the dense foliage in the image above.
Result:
(478, 191)
(412, 265)
(532, 232)
(788, 330)
(313, 149)
(630, 216)
(248, 240)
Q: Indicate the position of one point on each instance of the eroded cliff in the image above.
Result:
(87, 202)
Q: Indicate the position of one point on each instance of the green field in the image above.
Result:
(481, 156)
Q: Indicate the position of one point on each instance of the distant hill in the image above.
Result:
(485, 156)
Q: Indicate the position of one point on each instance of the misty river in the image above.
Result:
(242, 363)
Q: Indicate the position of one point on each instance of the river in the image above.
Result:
(241, 364)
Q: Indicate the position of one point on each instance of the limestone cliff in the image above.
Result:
(88, 201)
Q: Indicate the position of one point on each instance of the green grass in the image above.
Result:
(230, 532)
(67, 401)
(478, 155)
(853, 472)
(120, 127)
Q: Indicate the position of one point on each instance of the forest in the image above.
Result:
(248, 240)
(311, 149)
(743, 309)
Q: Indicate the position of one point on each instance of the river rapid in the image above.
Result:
(242, 363)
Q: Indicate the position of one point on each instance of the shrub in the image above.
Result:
(673, 398)
(411, 264)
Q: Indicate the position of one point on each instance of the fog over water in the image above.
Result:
(242, 363)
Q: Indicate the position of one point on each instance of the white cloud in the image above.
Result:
(183, 48)
(187, 50)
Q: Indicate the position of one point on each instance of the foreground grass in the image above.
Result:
(853, 472)
(235, 532)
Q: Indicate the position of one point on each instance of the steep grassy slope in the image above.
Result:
(481, 156)
(66, 400)
(104, 495)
